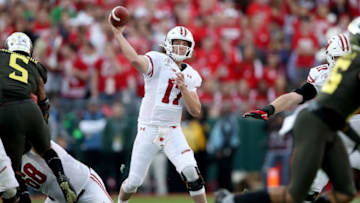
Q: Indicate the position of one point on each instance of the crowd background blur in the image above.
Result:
(248, 52)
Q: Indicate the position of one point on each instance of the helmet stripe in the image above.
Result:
(185, 32)
(347, 43)
(342, 42)
(181, 30)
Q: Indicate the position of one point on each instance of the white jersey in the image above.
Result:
(162, 103)
(318, 75)
(39, 176)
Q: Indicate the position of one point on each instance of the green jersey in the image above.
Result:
(341, 90)
(19, 76)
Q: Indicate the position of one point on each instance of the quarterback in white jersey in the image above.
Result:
(8, 182)
(338, 45)
(87, 184)
(170, 84)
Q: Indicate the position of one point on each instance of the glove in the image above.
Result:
(262, 113)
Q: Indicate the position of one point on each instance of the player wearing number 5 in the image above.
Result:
(20, 117)
(169, 84)
(316, 142)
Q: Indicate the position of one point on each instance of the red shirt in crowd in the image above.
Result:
(305, 42)
(261, 37)
(73, 86)
(207, 63)
(247, 72)
(108, 76)
(270, 75)
(256, 8)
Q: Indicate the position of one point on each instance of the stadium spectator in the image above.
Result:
(222, 143)
(247, 52)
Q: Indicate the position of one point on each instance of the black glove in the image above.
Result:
(263, 113)
(45, 106)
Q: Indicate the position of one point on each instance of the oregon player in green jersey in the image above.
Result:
(316, 143)
(21, 119)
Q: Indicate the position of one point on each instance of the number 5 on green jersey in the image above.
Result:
(342, 64)
(24, 73)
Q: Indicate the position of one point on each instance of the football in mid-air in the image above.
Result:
(119, 16)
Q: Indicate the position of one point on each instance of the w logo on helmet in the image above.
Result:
(183, 31)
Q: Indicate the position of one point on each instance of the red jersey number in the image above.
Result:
(166, 97)
(33, 177)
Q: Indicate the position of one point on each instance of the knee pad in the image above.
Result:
(131, 184)
(193, 179)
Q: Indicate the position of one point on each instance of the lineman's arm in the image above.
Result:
(138, 61)
(300, 95)
(286, 101)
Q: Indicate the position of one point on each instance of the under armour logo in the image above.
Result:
(189, 76)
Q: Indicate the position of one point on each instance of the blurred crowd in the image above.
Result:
(248, 52)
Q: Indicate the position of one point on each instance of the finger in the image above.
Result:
(248, 115)
(109, 21)
(253, 115)
(179, 74)
(181, 77)
(178, 79)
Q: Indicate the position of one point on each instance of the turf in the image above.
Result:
(152, 199)
(145, 199)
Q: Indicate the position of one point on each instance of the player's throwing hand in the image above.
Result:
(116, 30)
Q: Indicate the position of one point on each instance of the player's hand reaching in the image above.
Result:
(258, 114)
(263, 113)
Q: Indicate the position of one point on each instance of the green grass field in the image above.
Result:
(146, 199)
(169, 199)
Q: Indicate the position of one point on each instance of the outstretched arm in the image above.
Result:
(138, 61)
(284, 102)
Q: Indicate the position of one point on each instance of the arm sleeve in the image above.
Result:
(307, 90)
